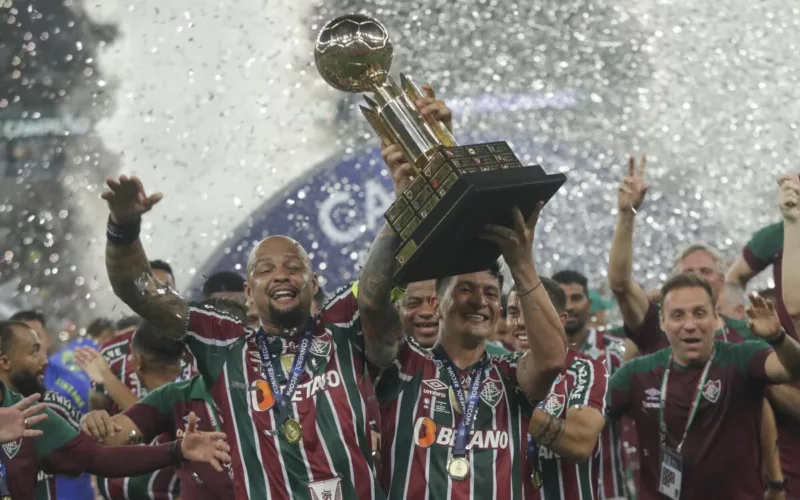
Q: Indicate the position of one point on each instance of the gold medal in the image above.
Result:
(458, 468)
(292, 431)
(287, 360)
(454, 401)
(536, 479)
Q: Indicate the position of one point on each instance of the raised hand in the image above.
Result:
(208, 447)
(630, 194)
(434, 108)
(789, 197)
(402, 171)
(127, 200)
(16, 420)
(93, 363)
(517, 243)
(98, 424)
(762, 318)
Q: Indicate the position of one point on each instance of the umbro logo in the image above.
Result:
(434, 387)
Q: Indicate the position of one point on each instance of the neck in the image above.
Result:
(281, 331)
(720, 322)
(693, 363)
(153, 381)
(463, 350)
(4, 379)
(577, 339)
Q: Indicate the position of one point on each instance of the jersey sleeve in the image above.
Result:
(63, 408)
(750, 358)
(389, 380)
(590, 384)
(340, 315)
(209, 334)
(648, 337)
(618, 397)
(763, 247)
(153, 413)
(114, 352)
(57, 432)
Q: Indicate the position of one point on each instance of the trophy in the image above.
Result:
(457, 190)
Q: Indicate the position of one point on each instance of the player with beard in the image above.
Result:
(62, 449)
(691, 399)
(609, 350)
(454, 419)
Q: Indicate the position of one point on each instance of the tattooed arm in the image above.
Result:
(127, 264)
(379, 318)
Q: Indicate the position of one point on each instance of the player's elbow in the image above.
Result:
(582, 448)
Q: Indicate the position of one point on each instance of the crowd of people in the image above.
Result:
(459, 387)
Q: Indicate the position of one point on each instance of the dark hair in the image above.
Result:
(28, 315)
(319, 297)
(569, 277)
(163, 265)
(7, 334)
(230, 306)
(98, 326)
(686, 280)
(223, 281)
(443, 283)
(557, 295)
(156, 347)
(128, 321)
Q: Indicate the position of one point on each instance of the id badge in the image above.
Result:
(669, 483)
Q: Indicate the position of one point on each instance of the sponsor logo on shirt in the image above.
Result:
(434, 387)
(263, 398)
(712, 390)
(330, 489)
(112, 354)
(652, 398)
(427, 433)
(11, 449)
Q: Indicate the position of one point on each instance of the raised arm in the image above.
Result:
(97, 368)
(783, 365)
(127, 264)
(789, 199)
(631, 297)
(547, 342)
(379, 320)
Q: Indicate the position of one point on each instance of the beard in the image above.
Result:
(574, 328)
(289, 318)
(26, 384)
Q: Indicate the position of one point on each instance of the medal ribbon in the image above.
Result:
(298, 366)
(4, 491)
(533, 455)
(469, 405)
(662, 425)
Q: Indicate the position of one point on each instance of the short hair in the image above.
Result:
(128, 321)
(570, 277)
(687, 280)
(320, 297)
(7, 334)
(557, 294)
(163, 265)
(223, 281)
(98, 326)
(719, 262)
(152, 345)
(230, 306)
(28, 315)
(495, 270)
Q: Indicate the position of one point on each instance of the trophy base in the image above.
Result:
(446, 242)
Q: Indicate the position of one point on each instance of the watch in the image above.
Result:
(776, 485)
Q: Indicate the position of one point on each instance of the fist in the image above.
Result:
(402, 171)
(789, 197)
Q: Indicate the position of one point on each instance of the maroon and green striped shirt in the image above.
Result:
(61, 406)
(331, 403)
(418, 423)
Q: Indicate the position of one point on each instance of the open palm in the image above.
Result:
(127, 200)
(762, 318)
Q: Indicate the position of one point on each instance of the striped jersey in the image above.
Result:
(582, 384)
(61, 406)
(419, 416)
(609, 349)
(331, 402)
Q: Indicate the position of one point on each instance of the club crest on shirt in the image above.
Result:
(320, 346)
(330, 489)
(11, 449)
(712, 390)
(492, 392)
(554, 404)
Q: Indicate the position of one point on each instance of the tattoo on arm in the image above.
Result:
(381, 324)
(133, 282)
(551, 431)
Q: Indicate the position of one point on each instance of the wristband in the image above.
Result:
(776, 485)
(529, 291)
(777, 340)
(176, 452)
(123, 234)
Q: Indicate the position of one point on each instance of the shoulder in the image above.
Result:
(767, 239)
(117, 347)
(212, 313)
(642, 365)
(342, 307)
(494, 349)
(63, 406)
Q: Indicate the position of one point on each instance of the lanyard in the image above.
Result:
(4, 491)
(298, 366)
(469, 405)
(662, 425)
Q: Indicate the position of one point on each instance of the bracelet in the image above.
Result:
(123, 234)
(529, 291)
(176, 453)
(777, 340)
